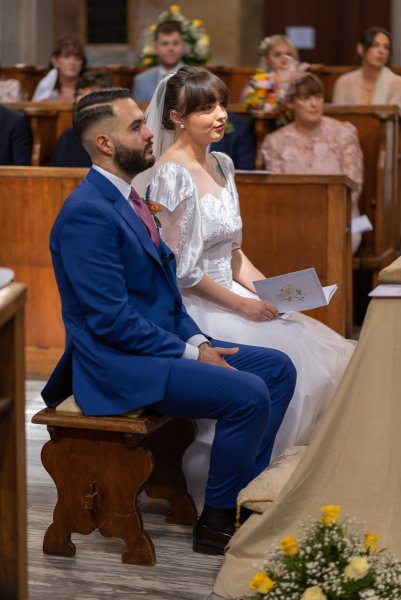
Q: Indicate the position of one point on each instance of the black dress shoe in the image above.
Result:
(209, 541)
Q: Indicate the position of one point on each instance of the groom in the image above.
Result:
(130, 342)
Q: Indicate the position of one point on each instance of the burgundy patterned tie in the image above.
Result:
(144, 214)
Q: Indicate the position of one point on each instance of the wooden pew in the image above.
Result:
(48, 120)
(28, 75)
(293, 222)
(30, 199)
(13, 550)
(122, 75)
(378, 130)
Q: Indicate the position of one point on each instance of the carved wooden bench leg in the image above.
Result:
(98, 475)
(167, 481)
(99, 466)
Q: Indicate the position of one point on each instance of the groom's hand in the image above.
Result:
(215, 356)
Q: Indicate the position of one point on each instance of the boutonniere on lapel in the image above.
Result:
(153, 207)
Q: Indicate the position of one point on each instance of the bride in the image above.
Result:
(201, 222)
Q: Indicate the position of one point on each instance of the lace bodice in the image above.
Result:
(202, 232)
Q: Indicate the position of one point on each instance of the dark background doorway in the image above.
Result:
(337, 24)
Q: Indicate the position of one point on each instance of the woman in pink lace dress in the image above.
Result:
(315, 144)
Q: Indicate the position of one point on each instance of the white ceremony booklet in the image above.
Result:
(300, 290)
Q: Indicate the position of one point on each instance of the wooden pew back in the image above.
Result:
(48, 120)
(13, 506)
(378, 131)
(290, 223)
(293, 222)
(28, 75)
(30, 199)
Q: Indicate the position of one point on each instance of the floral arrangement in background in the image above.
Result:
(265, 93)
(331, 562)
(198, 42)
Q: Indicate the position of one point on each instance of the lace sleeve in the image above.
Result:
(172, 187)
(352, 161)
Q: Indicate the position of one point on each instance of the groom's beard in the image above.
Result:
(133, 161)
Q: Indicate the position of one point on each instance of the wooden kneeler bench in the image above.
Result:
(100, 464)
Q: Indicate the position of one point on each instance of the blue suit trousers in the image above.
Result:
(249, 403)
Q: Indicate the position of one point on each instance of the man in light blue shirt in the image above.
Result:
(170, 48)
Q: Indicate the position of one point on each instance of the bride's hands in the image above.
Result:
(257, 310)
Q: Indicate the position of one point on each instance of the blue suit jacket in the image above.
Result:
(144, 85)
(122, 310)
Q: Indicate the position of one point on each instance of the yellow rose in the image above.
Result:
(313, 593)
(330, 514)
(174, 8)
(357, 568)
(147, 61)
(152, 28)
(289, 546)
(196, 22)
(370, 542)
(261, 583)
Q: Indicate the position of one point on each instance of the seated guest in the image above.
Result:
(10, 89)
(315, 144)
(274, 51)
(373, 82)
(15, 139)
(67, 62)
(68, 150)
(238, 142)
(267, 88)
(170, 48)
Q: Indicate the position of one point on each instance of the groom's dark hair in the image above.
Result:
(95, 107)
(190, 90)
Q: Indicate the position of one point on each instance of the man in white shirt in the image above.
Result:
(170, 48)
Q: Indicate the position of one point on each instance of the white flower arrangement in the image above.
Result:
(329, 563)
(197, 40)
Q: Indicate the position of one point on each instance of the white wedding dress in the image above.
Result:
(203, 232)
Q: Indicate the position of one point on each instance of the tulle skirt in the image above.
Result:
(319, 354)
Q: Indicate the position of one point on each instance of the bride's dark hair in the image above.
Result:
(190, 90)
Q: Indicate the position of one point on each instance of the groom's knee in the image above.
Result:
(288, 370)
